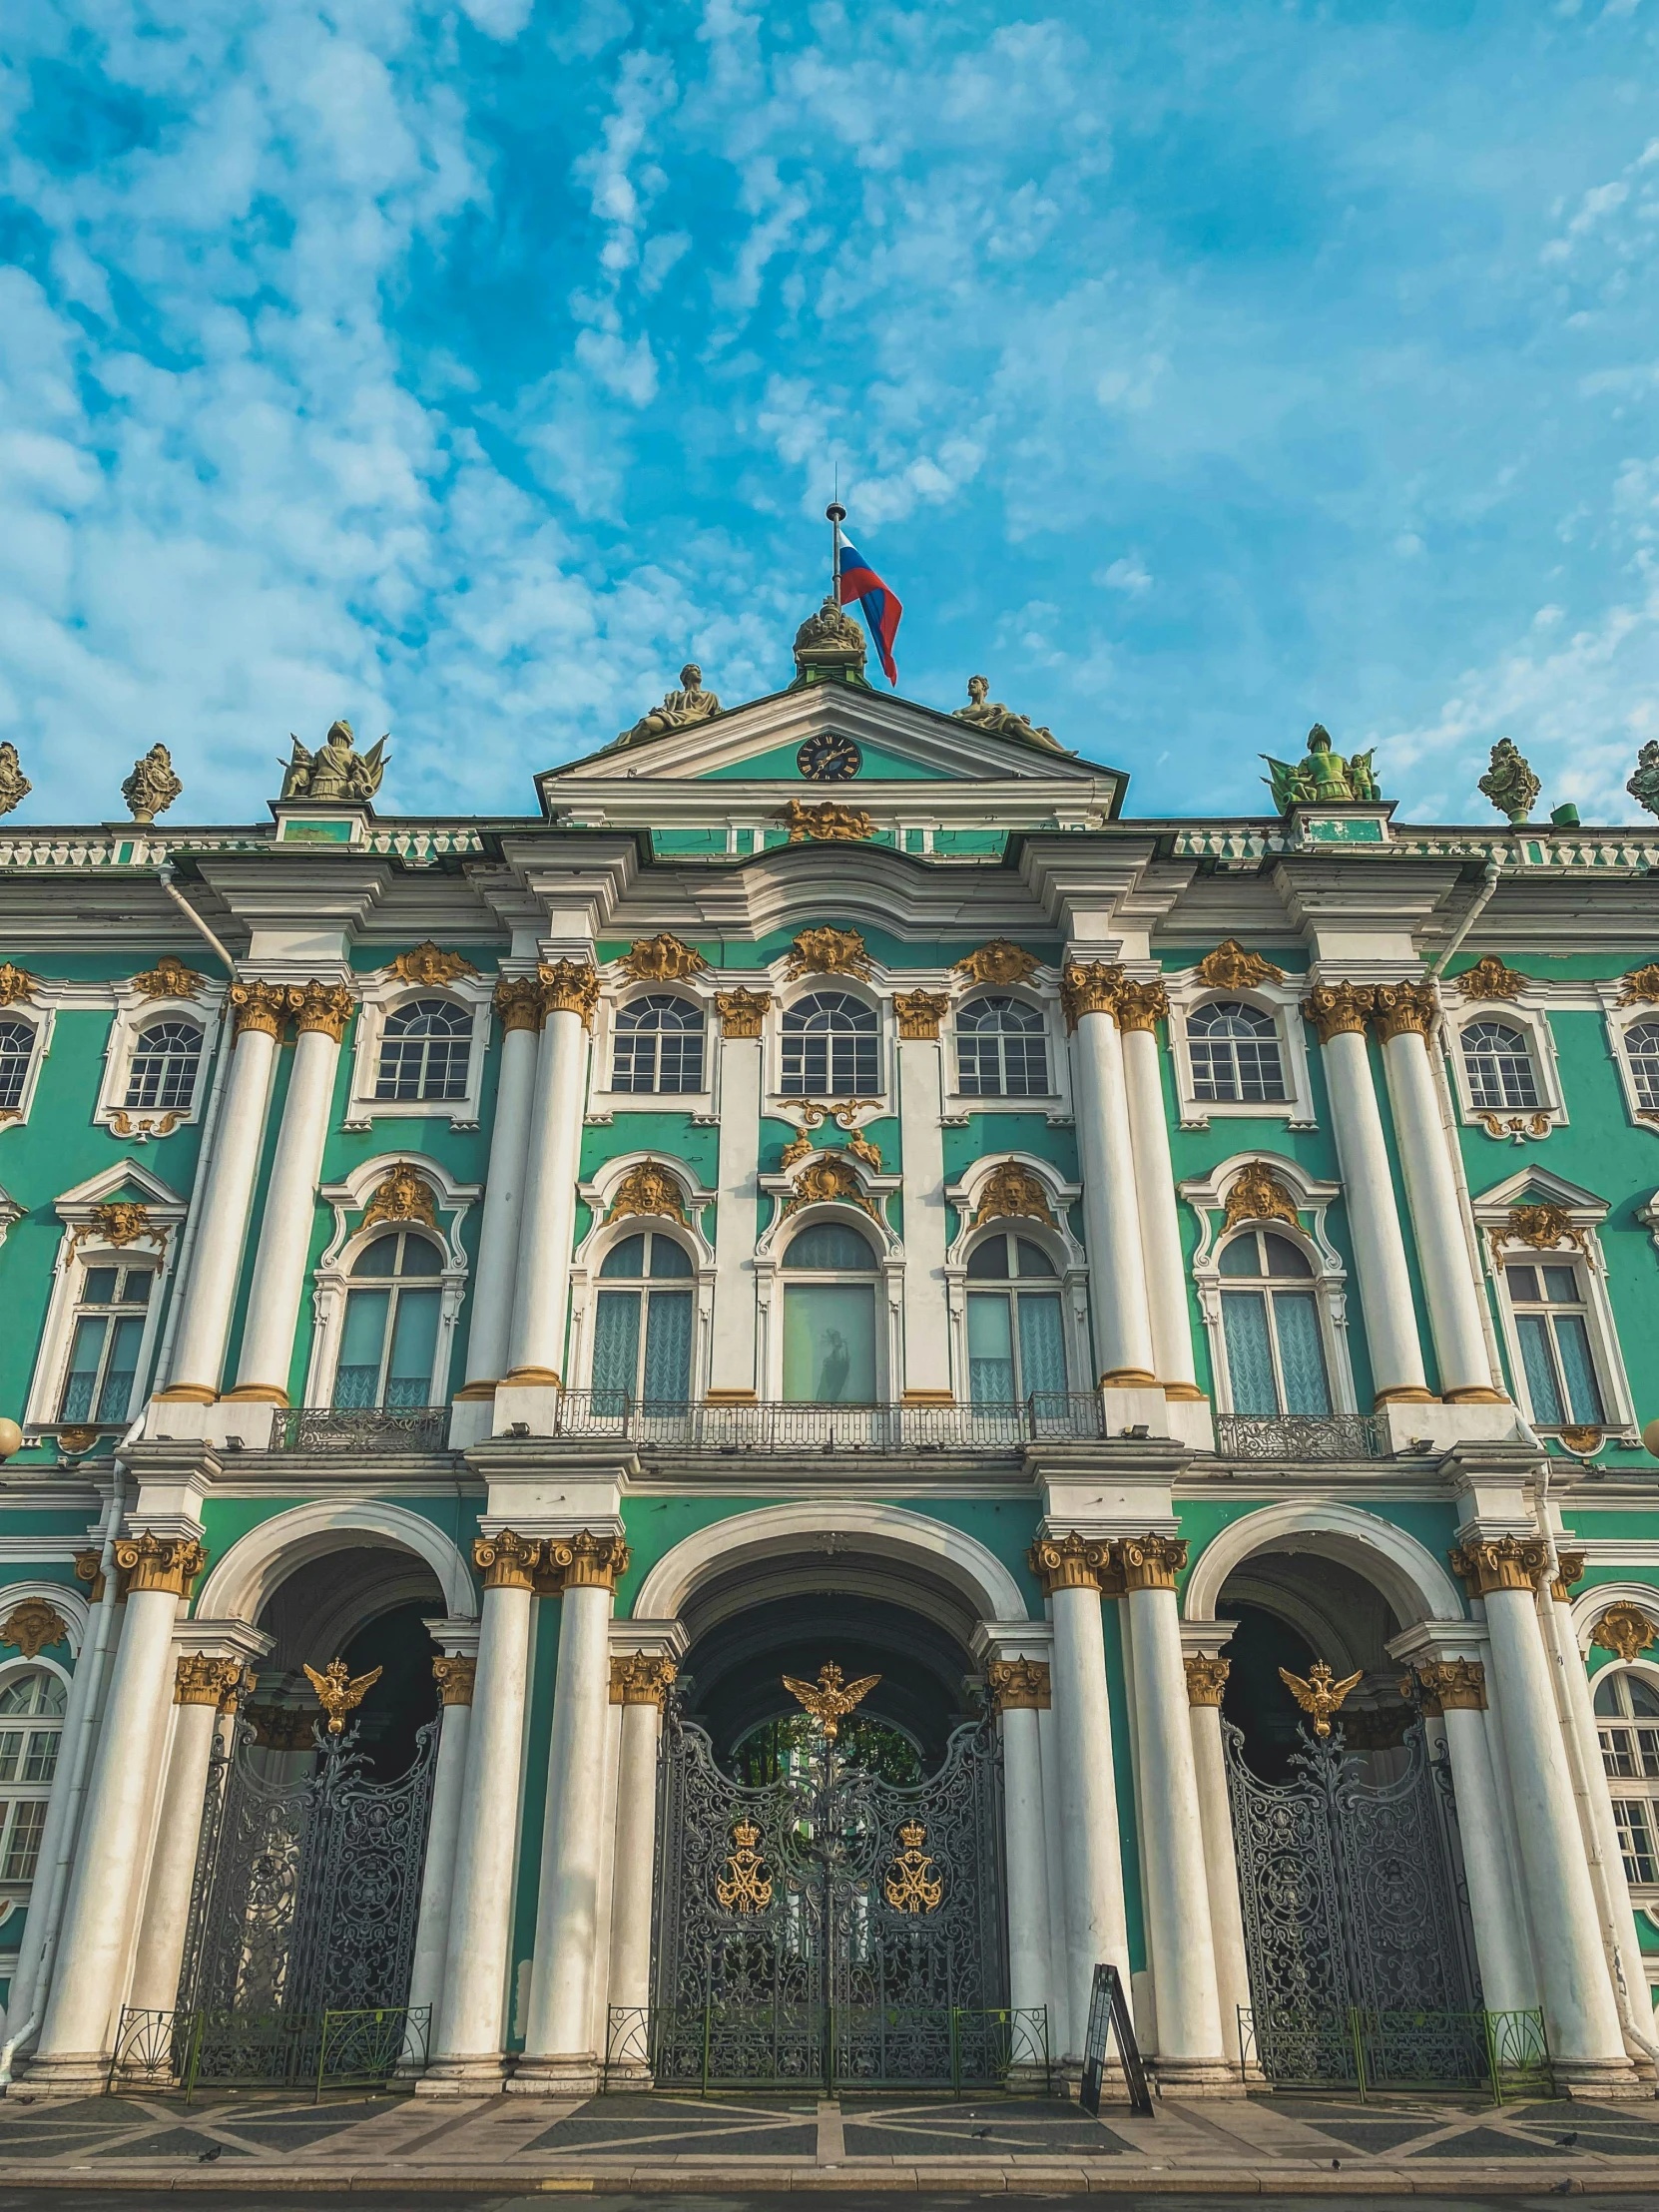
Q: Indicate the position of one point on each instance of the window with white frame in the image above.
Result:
(106, 1341)
(1550, 1305)
(31, 1728)
(1497, 1066)
(1001, 1049)
(1627, 1724)
(1276, 1362)
(424, 1050)
(1234, 1048)
(831, 1047)
(830, 1349)
(167, 1058)
(388, 1344)
(642, 1330)
(657, 1045)
(1016, 1339)
(17, 1050)
(1641, 1052)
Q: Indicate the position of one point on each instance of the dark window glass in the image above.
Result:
(1234, 1054)
(1001, 1050)
(166, 1057)
(17, 1044)
(1641, 1043)
(424, 1051)
(658, 1046)
(105, 1344)
(1498, 1066)
(830, 1048)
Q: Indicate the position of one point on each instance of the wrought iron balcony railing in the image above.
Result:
(1301, 1435)
(361, 1429)
(679, 1426)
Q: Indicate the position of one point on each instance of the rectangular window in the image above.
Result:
(616, 1348)
(1043, 1348)
(1554, 1331)
(1632, 1819)
(829, 1343)
(991, 1349)
(357, 1377)
(1301, 1354)
(23, 1842)
(667, 1346)
(1244, 1317)
(104, 1344)
(414, 1343)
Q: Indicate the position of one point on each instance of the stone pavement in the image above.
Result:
(756, 2144)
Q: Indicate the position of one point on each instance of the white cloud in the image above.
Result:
(1128, 573)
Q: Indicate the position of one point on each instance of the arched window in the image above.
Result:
(105, 1342)
(1552, 1321)
(166, 1056)
(31, 1726)
(1498, 1066)
(17, 1046)
(1001, 1050)
(641, 1332)
(1627, 1722)
(1015, 1327)
(390, 1340)
(659, 1045)
(424, 1051)
(830, 1048)
(1270, 1321)
(1641, 1044)
(829, 1317)
(1234, 1054)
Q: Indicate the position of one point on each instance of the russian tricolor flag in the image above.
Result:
(879, 603)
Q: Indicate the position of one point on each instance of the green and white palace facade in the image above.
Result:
(729, 1429)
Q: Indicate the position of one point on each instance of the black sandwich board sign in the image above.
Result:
(1109, 2014)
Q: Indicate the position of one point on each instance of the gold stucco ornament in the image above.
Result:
(648, 1189)
(745, 1885)
(15, 787)
(661, 959)
(828, 951)
(1321, 777)
(986, 712)
(1259, 1194)
(1509, 783)
(427, 963)
(827, 823)
(337, 771)
(1318, 1693)
(33, 1624)
(1012, 1190)
(831, 1698)
(680, 710)
(404, 1195)
(911, 1885)
(340, 1693)
(1625, 1630)
(151, 787)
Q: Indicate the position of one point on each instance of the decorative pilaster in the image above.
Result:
(741, 1013)
(455, 1678)
(541, 1295)
(1138, 1007)
(642, 1678)
(1019, 1687)
(733, 1377)
(1206, 1674)
(1442, 1685)
(1569, 1568)
(920, 1015)
(521, 1008)
(923, 1085)
(454, 1670)
(1118, 1299)
(200, 1679)
(640, 1683)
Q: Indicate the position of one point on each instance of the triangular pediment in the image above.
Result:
(1536, 1186)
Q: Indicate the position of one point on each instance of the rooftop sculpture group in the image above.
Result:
(337, 770)
(1321, 777)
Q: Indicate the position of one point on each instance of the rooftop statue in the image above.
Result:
(1321, 778)
(151, 787)
(1509, 783)
(989, 714)
(1643, 787)
(680, 710)
(335, 772)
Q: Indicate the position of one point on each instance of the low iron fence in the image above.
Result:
(875, 2047)
(359, 1429)
(1360, 2049)
(364, 2048)
(790, 1425)
(1301, 1437)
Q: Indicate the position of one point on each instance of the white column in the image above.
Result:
(558, 2050)
(1338, 1011)
(1141, 1007)
(641, 1682)
(1117, 1272)
(467, 2048)
(1096, 1928)
(732, 1375)
(541, 1299)
(320, 1014)
(1508, 1982)
(921, 1103)
(1059, 1978)
(1206, 1674)
(456, 1676)
(74, 2038)
(518, 1002)
(206, 1688)
(1189, 2048)
(1406, 1015)
(1587, 2040)
(1022, 1689)
(258, 1010)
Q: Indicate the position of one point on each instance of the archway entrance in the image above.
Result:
(1356, 1933)
(830, 1903)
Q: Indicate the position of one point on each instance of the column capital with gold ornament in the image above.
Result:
(1069, 1561)
(1339, 1009)
(1406, 1009)
(1485, 1565)
(1140, 1005)
(1149, 1562)
(642, 1678)
(584, 1561)
(325, 1007)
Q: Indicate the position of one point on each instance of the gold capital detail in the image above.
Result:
(1489, 978)
(1570, 1566)
(828, 951)
(454, 1678)
(1018, 1685)
(1641, 986)
(997, 962)
(32, 1625)
(1072, 1562)
(1150, 1562)
(1625, 1630)
(404, 1195)
(641, 1678)
(648, 1189)
(1230, 968)
(89, 1570)
(202, 1680)
(1404, 1009)
(506, 1561)
(325, 1006)
(741, 1013)
(826, 822)
(1338, 1009)
(1448, 1684)
(920, 1015)
(1500, 1563)
(1257, 1195)
(168, 1563)
(1012, 1190)
(425, 964)
(746, 1887)
(519, 1004)
(120, 1222)
(582, 1562)
(1141, 1006)
(169, 978)
(661, 959)
(262, 1007)
(1089, 987)
(16, 984)
(570, 987)
(911, 1885)
(827, 1179)
(1206, 1674)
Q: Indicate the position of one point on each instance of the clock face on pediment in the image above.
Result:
(828, 756)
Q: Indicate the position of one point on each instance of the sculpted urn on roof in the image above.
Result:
(1321, 778)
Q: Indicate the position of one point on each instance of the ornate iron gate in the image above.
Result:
(1355, 1920)
(304, 1902)
(832, 1927)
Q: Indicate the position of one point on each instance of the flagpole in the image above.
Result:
(835, 515)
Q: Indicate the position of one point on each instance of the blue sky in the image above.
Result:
(1193, 370)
